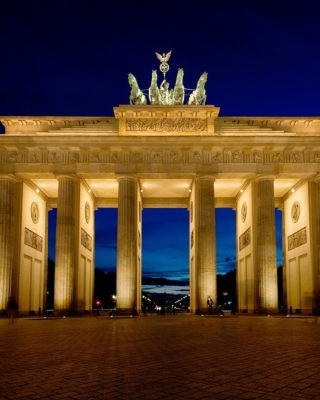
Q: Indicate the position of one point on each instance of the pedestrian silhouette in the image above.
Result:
(12, 309)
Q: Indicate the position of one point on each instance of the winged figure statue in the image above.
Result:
(163, 58)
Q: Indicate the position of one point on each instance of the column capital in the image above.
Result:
(66, 176)
(9, 177)
(201, 177)
(127, 177)
(264, 178)
(317, 178)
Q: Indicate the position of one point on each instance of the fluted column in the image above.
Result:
(205, 242)
(6, 238)
(127, 245)
(317, 283)
(65, 245)
(266, 245)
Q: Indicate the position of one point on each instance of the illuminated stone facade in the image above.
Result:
(159, 156)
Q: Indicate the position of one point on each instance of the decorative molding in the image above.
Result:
(297, 239)
(166, 124)
(33, 240)
(245, 239)
(86, 240)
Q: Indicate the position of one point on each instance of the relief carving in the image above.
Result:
(13, 157)
(95, 156)
(175, 157)
(55, 157)
(166, 124)
(33, 157)
(156, 157)
(236, 157)
(297, 239)
(276, 157)
(245, 239)
(115, 157)
(316, 157)
(296, 157)
(86, 240)
(216, 157)
(136, 157)
(197, 156)
(74, 157)
(257, 157)
(295, 211)
(191, 240)
(87, 212)
(33, 240)
(35, 212)
(243, 211)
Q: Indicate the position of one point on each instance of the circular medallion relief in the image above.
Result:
(295, 211)
(87, 212)
(35, 212)
(243, 211)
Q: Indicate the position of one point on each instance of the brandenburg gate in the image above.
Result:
(162, 154)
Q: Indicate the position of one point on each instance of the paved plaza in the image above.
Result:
(160, 357)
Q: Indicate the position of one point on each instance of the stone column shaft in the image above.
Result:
(205, 242)
(65, 245)
(266, 245)
(127, 245)
(6, 238)
(317, 286)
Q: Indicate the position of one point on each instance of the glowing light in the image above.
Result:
(37, 190)
(89, 190)
(293, 190)
(241, 190)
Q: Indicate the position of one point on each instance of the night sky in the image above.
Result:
(73, 58)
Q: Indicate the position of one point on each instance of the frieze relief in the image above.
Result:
(136, 156)
(54, 156)
(34, 157)
(13, 157)
(316, 157)
(297, 239)
(166, 124)
(257, 157)
(175, 156)
(197, 156)
(74, 157)
(122, 155)
(95, 156)
(217, 157)
(156, 157)
(33, 240)
(86, 240)
(245, 239)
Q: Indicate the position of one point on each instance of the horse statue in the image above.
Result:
(154, 92)
(178, 91)
(136, 95)
(198, 96)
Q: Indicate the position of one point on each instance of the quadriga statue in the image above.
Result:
(198, 96)
(136, 95)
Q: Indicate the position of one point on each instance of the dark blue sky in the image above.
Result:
(73, 57)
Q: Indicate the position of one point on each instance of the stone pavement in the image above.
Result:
(160, 357)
